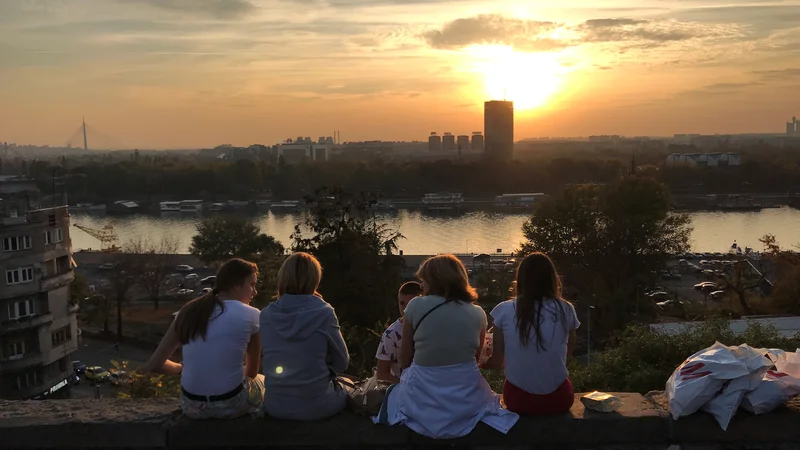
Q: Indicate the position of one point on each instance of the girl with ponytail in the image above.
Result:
(219, 337)
(533, 335)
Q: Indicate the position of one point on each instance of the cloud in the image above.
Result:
(218, 9)
(778, 75)
(493, 29)
(653, 31)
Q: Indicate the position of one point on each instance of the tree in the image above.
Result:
(118, 284)
(608, 240)
(785, 268)
(154, 263)
(360, 274)
(219, 239)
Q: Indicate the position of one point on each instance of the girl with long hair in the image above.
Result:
(441, 393)
(303, 346)
(218, 334)
(533, 335)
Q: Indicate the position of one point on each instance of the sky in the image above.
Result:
(198, 73)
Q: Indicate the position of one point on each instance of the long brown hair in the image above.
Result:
(193, 318)
(537, 281)
(446, 276)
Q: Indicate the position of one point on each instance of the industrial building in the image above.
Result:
(477, 141)
(434, 143)
(448, 143)
(38, 326)
(793, 128)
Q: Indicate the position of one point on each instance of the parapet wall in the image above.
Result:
(642, 423)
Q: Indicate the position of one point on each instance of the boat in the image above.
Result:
(263, 203)
(170, 206)
(88, 207)
(384, 205)
(237, 204)
(517, 200)
(123, 207)
(443, 201)
(285, 205)
(217, 207)
(191, 206)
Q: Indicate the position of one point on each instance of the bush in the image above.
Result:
(640, 361)
(145, 385)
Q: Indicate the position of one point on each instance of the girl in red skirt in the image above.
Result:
(533, 334)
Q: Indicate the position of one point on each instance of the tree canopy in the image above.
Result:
(222, 238)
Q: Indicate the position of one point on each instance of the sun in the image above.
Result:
(528, 79)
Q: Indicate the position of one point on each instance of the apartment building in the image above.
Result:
(38, 328)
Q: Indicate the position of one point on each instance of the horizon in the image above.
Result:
(190, 74)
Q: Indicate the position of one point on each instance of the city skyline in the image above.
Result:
(191, 74)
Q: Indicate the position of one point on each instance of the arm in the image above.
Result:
(498, 358)
(573, 338)
(385, 372)
(159, 362)
(252, 359)
(481, 343)
(406, 355)
(337, 349)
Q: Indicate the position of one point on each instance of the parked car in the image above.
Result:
(716, 295)
(184, 292)
(669, 302)
(78, 367)
(107, 266)
(96, 373)
(191, 277)
(119, 378)
(209, 281)
(206, 290)
(657, 294)
(184, 268)
(705, 286)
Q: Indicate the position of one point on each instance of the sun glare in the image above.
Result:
(528, 79)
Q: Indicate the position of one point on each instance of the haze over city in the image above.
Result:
(193, 73)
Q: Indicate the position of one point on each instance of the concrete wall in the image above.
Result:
(642, 423)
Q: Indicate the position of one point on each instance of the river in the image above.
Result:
(473, 232)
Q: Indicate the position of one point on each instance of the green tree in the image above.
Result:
(219, 239)
(608, 240)
(360, 274)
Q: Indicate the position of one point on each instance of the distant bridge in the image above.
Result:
(89, 137)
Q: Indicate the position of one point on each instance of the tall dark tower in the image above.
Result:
(498, 129)
(85, 145)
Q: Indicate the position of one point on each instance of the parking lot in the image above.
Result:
(93, 352)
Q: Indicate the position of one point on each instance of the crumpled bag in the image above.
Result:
(725, 405)
(778, 386)
(488, 348)
(711, 373)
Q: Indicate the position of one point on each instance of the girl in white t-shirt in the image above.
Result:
(533, 334)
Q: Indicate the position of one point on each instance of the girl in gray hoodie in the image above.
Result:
(303, 348)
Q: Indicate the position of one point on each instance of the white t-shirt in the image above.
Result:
(530, 368)
(215, 366)
(390, 346)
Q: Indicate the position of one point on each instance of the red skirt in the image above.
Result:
(524, 403)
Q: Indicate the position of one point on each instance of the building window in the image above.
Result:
(53, 236)
(14, 243)
(61, 336)
(20, 309)
(28, 379)
(19, 275)
(15, 350)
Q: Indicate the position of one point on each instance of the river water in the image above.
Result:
(473, 232)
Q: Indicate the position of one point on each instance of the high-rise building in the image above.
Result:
(434, 143)
(448, 143)
(477, 141)
(38, 327)
(793, 127)
(462, 141)
(498, 128)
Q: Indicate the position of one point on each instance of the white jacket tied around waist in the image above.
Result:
(444, 402)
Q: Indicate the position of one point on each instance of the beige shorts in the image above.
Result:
(246, 401)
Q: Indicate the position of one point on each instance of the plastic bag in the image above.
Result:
(777, 387)
(703, 376)
(725, 405)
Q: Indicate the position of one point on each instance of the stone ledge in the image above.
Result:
(156, 424)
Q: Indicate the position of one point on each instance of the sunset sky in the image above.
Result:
(197, 73)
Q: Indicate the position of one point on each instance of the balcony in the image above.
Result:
(28, 359)
(51, 282)
(13, 220)
(25, 323)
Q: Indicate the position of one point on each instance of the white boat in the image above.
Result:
(232, 204)
(263, 203)
(170, 206)
(88, 207)
(217, 207)
(517, 200)
(285, 205)
(191, 206)
(443, 201)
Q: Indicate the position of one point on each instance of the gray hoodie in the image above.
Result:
(302, 350)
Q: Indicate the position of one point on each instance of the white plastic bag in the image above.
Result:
(698, 379)
(777, 387)
(726, 403)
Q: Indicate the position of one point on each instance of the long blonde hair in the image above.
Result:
(300, 274)
(446, 276)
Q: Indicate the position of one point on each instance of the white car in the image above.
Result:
(183, 292)
(184, 268)
(192, 276)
